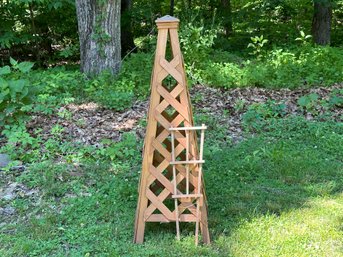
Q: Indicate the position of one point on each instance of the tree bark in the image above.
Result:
(172, 4)
(321, 23)
(127, 42)
(99, 34)
(227, 13)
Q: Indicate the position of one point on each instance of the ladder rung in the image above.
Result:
(187, 128)
(187, 162)
(187, 196)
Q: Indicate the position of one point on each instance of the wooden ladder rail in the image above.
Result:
(202, 137)
(175, 186)
(200, 161)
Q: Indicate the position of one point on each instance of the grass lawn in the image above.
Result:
(276, 193)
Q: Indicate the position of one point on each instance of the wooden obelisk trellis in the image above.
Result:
(170, 107)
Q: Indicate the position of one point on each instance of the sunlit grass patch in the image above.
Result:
(314, 230)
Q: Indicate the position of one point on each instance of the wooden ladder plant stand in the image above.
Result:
(188, 163)
(170, 110)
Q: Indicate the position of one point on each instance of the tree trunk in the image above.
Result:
(127, 43)
(172, 4)
(321, 23)
(227, 13)
(99, 33)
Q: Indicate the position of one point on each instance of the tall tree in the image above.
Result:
(127, 42)
(321, 23)
(99, 33)
(227, 19)
(172, 5)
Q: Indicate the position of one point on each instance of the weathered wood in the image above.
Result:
(161, 178)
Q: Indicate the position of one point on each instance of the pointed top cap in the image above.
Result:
(167, 22)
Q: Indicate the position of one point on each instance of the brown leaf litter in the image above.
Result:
(89, 123)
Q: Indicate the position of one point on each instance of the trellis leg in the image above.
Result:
(187, 159)
(197, 222)
(175, 187)
(150, 134)
(199, 184)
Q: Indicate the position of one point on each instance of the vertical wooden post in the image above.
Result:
(169, 107)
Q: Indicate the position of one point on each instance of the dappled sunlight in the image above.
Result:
(85, 106)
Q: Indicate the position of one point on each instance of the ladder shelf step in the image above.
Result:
(187, 162)
(187, 196)
(187, 128)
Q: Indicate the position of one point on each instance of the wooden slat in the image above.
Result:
(174, 93)
(172, 101)
(187, 162)
(163, 73)
(150, 209)
(187, 196)
(161, 218)
(171, 70)
(188, 128)
(158, 204)
(159, 176)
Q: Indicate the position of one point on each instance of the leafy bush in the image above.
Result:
(312, 103)
(258, 113)
(308, 102)
(59, 81)
(336, 99)
(133, 81)
(257, 45)
(225, 75)
(16, 94)
(116, 100)
(305, 66)
(59, 86)
(196, 42)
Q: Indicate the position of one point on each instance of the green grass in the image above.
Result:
(277, 193)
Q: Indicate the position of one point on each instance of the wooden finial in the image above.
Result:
(167, 21)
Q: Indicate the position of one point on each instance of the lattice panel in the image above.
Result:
(169, 107)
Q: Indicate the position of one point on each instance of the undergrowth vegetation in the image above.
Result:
(297, 67)
(279, 68)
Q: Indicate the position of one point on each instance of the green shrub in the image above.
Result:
(196, 42)
(59, 81)
(309, 102)
(225, 75)
(258, 113)
(132, 82)
(135, 74)
(257, 46)
(16, 93)
(336, 99)
(112, 99)
(303, 66)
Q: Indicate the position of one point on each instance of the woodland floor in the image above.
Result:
(89, 124)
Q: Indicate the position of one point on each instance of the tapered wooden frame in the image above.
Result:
(170, 107)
